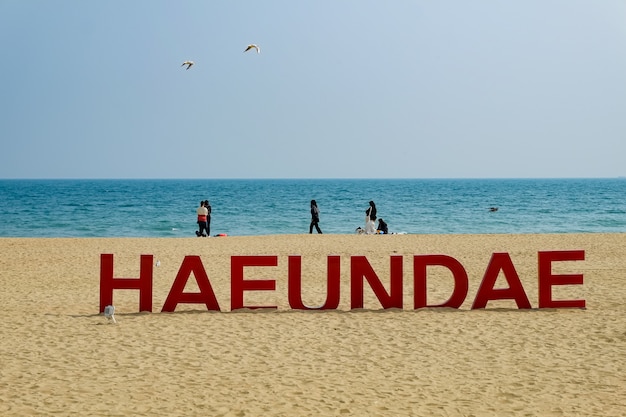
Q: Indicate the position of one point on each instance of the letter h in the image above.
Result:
(143, 283)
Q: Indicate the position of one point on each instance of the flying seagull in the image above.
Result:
(188, 63)
(253, 46)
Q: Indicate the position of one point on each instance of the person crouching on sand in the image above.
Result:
(382, 227)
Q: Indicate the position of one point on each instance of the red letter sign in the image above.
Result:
(461, 285)
(547, 280)
(360, 268)
(143, 283)
(295, 284)
(206, 296)
(238, 285)
(501, 262)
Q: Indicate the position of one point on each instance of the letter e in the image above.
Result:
(547, 279)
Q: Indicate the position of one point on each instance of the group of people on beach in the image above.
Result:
(370, 219)
(204, 220)
(370, 225)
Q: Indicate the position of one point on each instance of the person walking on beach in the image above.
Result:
(370, 218)
(315, 218)
(208, 217)
(202, 215)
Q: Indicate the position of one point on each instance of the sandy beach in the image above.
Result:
(59, 356)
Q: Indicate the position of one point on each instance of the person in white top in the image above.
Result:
(202, 212)
(370, 218)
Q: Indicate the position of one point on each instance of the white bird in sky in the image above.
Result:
(253, 46)
(188, 63)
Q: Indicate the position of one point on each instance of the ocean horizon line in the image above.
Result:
(303, 178)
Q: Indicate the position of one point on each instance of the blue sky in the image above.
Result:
(341, 89)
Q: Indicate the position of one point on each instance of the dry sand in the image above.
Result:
(58, 356)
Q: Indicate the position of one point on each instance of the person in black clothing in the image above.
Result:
(370, 213)
(315, 218)
(208, 217)
(382, 227)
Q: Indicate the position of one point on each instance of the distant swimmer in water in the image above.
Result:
(493, 208)
(188, 63)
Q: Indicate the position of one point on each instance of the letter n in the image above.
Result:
(360, 268)
(206, 296)
(295, 284)
(143, 283)
(501, 262)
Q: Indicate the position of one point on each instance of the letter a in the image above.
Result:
(501, 262)
(206, 296)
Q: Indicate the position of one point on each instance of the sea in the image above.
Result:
(244, 207)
